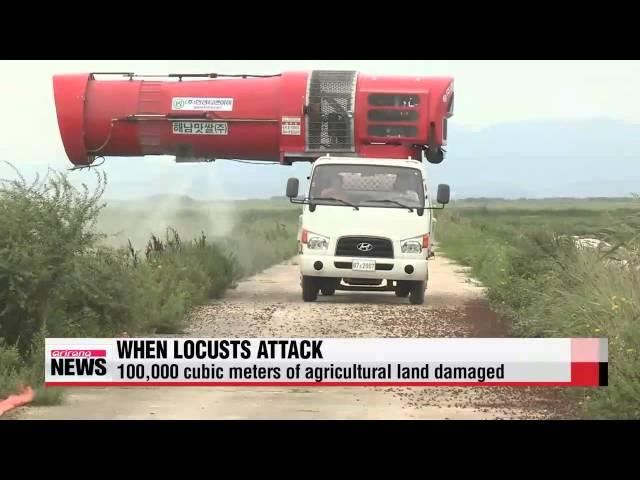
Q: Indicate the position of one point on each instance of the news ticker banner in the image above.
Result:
(326, 362)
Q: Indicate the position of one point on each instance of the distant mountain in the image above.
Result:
(543, 159)
(536, 159)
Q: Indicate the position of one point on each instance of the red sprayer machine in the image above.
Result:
(367, 213)
(284, 118)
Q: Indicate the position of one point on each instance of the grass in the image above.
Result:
(71, 265)
(537, 277)
(555, 203)
(61, 275)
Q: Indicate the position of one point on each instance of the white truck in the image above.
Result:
(366, 225)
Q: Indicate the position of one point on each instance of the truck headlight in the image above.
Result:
(317, 242)
(415, 244)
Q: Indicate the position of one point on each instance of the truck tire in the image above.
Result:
(416, 296)
(402, 291)
(327, 292)
(309, 289)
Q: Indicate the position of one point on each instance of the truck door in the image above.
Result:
(429, 214)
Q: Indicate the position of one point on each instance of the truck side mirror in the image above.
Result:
(293, 184)
(443, 194)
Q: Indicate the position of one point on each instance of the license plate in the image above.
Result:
(364, 265)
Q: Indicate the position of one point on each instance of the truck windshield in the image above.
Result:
(377, 186)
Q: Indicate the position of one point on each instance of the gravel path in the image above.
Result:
(270, 304)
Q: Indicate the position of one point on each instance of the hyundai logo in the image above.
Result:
(364, 247)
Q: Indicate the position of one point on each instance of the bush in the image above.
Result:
(58, 279)
(538, 278)
(45, 231)
(175, 277)
(12, 370)
(16, 373)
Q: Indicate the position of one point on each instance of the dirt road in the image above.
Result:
(270, 304)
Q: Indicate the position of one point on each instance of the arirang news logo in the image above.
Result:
(78, 362)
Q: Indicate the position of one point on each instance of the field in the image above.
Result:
(136, 220)
(73, 265)
(546, 204)
(546, 284)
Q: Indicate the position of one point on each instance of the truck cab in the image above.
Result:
(367, 225)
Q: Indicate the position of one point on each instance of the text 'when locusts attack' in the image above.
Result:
(219, 349)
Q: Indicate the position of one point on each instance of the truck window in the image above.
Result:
(367, 185)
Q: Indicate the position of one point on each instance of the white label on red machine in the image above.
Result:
(291, 126)
(200, 128)
(202, 103)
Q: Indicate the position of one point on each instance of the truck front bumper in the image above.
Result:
(386, 268)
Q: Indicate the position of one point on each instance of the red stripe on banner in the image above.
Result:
(309, 384)
(585, 350)
(77, 353)
(585, 374)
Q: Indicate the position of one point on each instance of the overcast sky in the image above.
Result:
(487, 92)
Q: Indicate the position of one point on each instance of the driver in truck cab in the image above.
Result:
(405, 190)
(335, 189)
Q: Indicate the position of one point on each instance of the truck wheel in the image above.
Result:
(417, 293)
(327, 292)
(309, 289)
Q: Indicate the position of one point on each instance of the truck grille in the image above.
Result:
(380, 247)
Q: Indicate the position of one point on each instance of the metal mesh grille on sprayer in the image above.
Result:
(330, 106)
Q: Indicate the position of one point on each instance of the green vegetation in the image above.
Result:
(555, 203)
(61, 277)
(72, 266)
(537, 277)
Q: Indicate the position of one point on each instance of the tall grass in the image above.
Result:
(536, 276)
(58, 278)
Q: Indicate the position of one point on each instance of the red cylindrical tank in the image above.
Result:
(281, 118)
